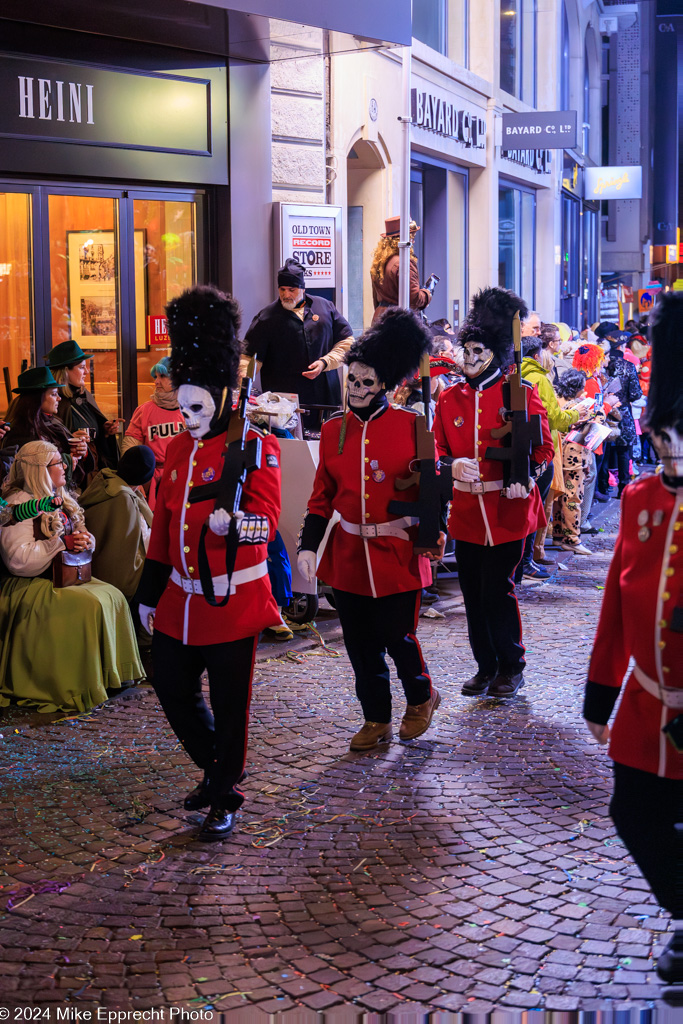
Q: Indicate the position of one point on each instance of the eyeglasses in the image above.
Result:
(51, 465)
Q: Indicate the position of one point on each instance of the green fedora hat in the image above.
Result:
(68, 353)
(38, 378)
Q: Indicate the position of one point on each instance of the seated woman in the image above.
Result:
(60, 648)
(33, 416)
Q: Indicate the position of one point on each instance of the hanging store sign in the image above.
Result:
(157, 332)
(540, 129)
(613, 182)
(439, 115)
(310, 234)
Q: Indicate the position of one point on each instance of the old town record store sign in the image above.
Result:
(94, 118)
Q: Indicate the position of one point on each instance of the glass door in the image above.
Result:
(16, 290)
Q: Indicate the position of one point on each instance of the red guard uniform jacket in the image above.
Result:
(463, 423)
(639, 620)
(359, 484)
(175, 541)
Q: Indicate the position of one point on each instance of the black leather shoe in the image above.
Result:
(217, 825)
(199, 797)
(506, 685)
(670, 963)
(476, 686)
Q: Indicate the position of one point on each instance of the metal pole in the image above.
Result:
(404, 240)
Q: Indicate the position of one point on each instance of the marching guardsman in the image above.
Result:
(369, 561)
(205, 582)
(492, 417)
(641, 623)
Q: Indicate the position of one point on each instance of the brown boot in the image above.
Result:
(418, 717)
(371, 734)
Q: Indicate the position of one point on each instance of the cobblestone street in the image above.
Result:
(473, 869)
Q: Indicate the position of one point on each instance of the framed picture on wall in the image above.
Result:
(92, 267)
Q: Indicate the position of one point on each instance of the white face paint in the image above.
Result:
(363, 384)
(476, 358)
(197, 407)
(668, 444)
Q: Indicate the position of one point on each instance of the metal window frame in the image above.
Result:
(504, 182)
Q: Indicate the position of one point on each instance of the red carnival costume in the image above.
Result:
(642, 619)
(205, 581)
(369, 560)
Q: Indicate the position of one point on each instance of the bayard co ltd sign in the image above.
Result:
(443, 117)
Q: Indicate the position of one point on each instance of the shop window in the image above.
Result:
(430, 23)
(166, 232)
(458, 31)
(516, 241)
(564, 61)
(518, 49)
(16, 315)
(84, 288)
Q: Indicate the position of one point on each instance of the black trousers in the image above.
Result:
(620, 454)
(543, 484)
(494, 627)
(373, 627)
(645, 810)
(216, 742)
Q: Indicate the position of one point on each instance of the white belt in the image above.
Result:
(220, 583)
(392, 529)
(478, 486)
(669, 696)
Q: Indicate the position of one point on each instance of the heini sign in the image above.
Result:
(614, 183)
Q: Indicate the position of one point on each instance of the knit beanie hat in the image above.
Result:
(137, 465)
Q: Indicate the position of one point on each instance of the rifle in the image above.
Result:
(240, 457)
(522, 432)
(433, 485)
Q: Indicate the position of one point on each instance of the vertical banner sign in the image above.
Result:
(665, 171)
(311, 239)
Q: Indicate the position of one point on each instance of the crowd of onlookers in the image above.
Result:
(65, 647)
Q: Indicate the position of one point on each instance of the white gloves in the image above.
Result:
(601, 732)
(307, 564)
(519, 490)
(466, 470)
(147, 617)
(219, 521)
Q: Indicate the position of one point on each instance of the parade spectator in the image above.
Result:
(33, 416)
(629, 391)
(385, 267)
(531, 325)
(155, 422)
(77, 407)
(61, 647)
(559, 421)
(575, 459)
(118, 516)
(299, 342)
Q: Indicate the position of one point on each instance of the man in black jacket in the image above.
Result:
(299, 341)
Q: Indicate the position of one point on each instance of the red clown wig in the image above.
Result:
(588, 358)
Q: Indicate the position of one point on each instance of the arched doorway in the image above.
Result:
(365, 204)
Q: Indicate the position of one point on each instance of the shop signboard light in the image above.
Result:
(613, 183)
(540, 129)
(311, 235)
(157, 332)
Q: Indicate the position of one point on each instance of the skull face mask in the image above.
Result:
(363, 384)
(198, 409)
(668, 443)
(476, 358)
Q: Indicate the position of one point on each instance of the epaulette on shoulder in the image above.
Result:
(527, 384)
(406, 408)
(335, 416)
(254, 428)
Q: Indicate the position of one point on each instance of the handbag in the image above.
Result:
(70, 568)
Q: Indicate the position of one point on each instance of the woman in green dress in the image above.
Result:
(62, 648)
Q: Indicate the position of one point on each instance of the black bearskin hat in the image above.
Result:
(665, 398)
(489, 321)
(202, 324)
(393, 346)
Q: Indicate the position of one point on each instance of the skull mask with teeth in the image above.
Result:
(668, 443)
(364, 385)
(198, 409)
(476, 358)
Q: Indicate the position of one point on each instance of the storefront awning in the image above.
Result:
(387, 21)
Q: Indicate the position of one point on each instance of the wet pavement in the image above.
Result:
(472, 869)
